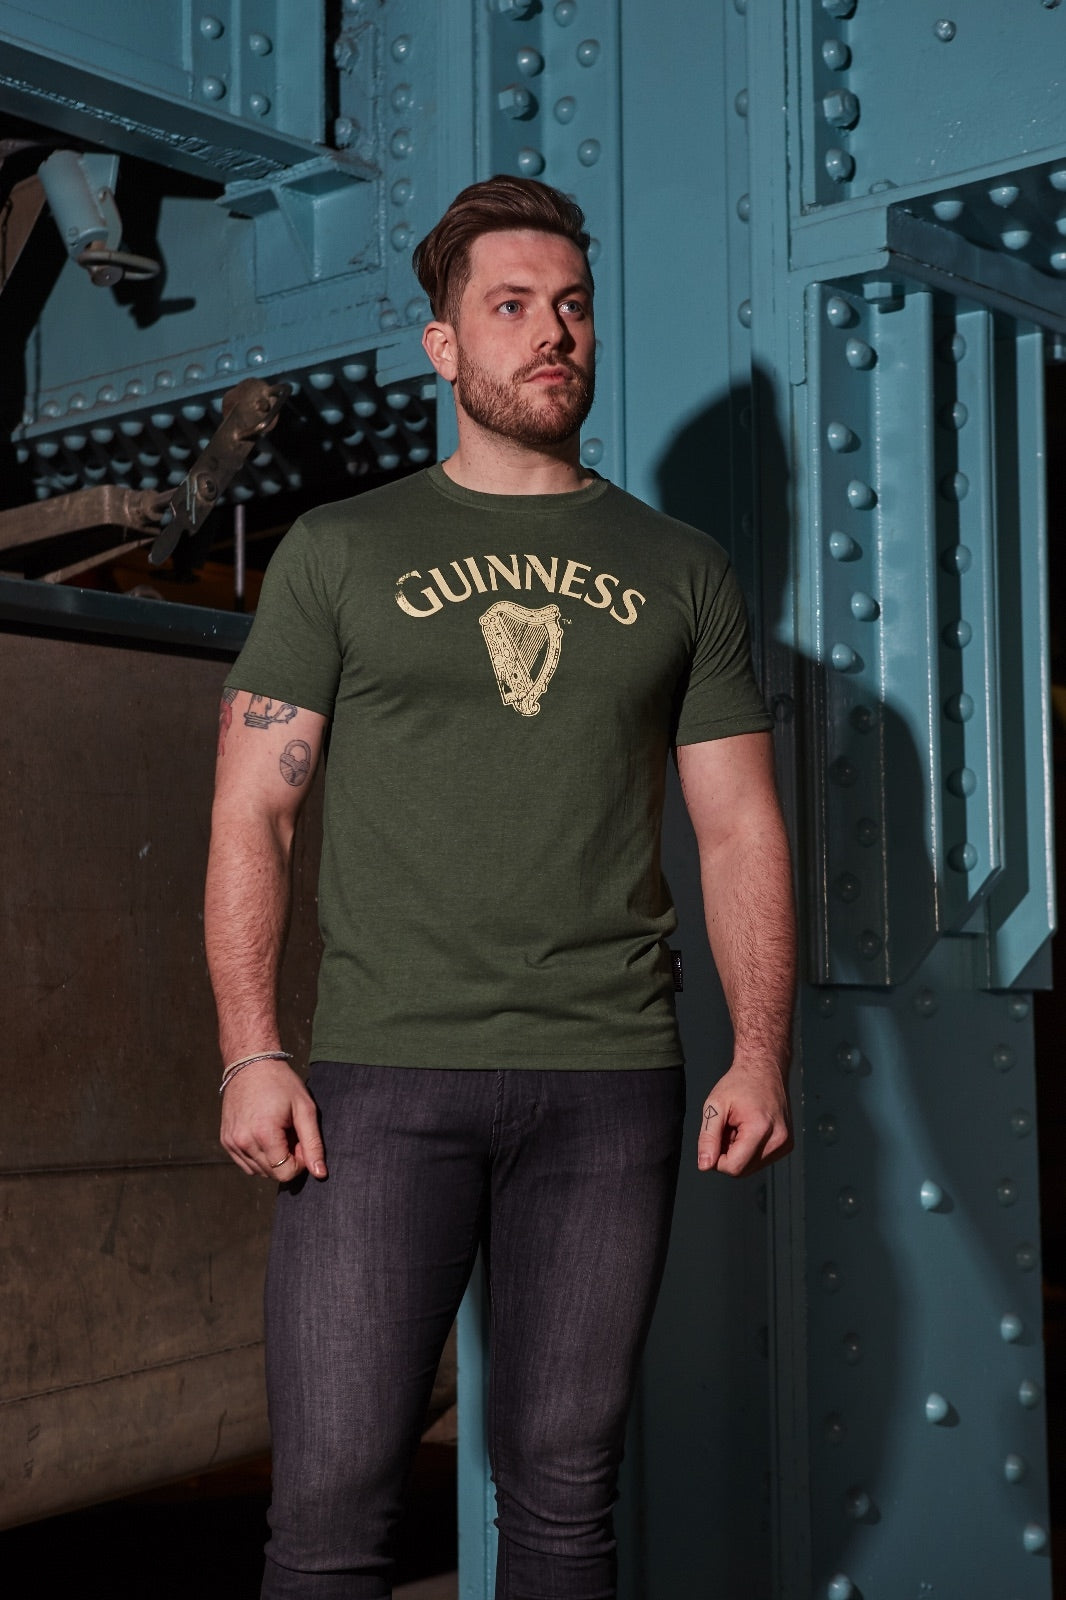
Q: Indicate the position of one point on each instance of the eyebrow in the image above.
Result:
(581, 287)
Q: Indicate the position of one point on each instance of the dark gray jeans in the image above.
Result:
(567, 1180)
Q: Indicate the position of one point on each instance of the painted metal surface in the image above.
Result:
(824, 270)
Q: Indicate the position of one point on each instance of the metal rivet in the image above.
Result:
(954, 415)
(827, 1129)
(840, 1586)
(588, 52)
(861, 496)
(529, 61)
(953, 348)
(847, 887)
(75, 441)
(1014, 1468)
(848, 1203)
(830, 1277)
(839, 165)
(1011, 1327)
(848, 1057)
(592, 452)
(835, 1428)
(744, 207)
(949, 209)
(869, 944)
(962, 857)
(1029, 1393)
(857, 1504)
(1021, 1123)
(565, 12)
(839, 313)
(529, 162)
(843, 772)
(401, 142)
(867, 832)
(839, 437)
(930, 1195)
(955, 486)
(212, 88)
(740, 104)
(744, 313)
(401, 47)
(936, 1408)
(857, 353)
(211, 27)
(1004, 194)
(1057, 260)
(959, 707)
(862, 719)
(1018, 1007)
(401, 191)
(1003, 1058)
(1034, 1537)
(260, 44)
(958, 559)
(589, 152)
(852, 1349)
(258, 104)
(1007, 1192)
(925, 1003)
(1057, 179)
(945, 30)
(836, 54)
(842, 547)
(957, 634)
(401, 236)
(194, 372)
(1026, 1256)
(962, 783)
(864, 608)
(1016, 238)
(840, 9)
(844, 658)
(402, 97)
(565, 109)
(827, 1003)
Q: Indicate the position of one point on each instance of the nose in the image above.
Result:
(548, 331)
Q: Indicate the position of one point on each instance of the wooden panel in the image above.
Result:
(132, 1250)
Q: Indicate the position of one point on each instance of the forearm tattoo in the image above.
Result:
(263, 712)
(295, 762)
(225, 717)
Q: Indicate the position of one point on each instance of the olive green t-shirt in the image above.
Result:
(505, 676)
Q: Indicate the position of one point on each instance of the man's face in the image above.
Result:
(525, 357)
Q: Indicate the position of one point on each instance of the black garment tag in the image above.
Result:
(679, 971)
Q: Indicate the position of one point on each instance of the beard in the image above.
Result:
(503, 407)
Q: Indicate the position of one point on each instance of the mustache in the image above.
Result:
(556, 360)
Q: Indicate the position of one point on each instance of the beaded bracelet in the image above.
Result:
(246, 1061)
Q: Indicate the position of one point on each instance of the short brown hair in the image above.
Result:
(442, 260)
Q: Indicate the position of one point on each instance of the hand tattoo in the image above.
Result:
(263, 711)
(295, 762)
(709, 1114)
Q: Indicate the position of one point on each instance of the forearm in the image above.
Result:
(750, 913)
(246, 912)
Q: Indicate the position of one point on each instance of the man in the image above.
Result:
(505, 649)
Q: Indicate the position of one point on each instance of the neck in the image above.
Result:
(491, 464)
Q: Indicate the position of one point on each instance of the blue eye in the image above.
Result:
(509, 305)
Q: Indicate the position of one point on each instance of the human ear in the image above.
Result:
(438, 341)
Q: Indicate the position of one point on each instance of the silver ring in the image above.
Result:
(274, 1165)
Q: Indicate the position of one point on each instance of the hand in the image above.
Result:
(270, 1123)
(746, 1121)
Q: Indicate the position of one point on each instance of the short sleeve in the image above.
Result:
(292, 652)
(719, 696)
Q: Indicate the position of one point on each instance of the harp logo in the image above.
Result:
(524, 649)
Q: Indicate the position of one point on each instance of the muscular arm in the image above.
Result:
(267, 753)
(746, 878)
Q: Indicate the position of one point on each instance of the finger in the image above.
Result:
(712, 1135)
(748, 1149)
(309, 1138)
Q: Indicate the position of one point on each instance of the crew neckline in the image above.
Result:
(567, 499)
